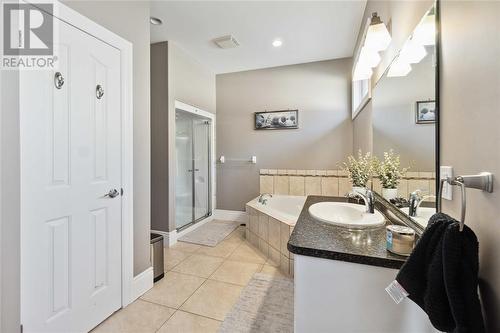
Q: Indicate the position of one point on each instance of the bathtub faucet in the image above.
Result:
(262, 198)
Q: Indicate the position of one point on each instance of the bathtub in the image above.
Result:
(285, 208)
(269, 227)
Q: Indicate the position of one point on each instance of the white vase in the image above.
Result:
(359, 189)
(389, 193)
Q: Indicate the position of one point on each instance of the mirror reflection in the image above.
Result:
(404, 126)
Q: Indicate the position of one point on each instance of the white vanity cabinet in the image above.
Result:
(338, 296)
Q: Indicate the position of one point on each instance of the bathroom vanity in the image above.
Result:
(341, 276)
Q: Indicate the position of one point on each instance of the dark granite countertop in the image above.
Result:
(314, 238)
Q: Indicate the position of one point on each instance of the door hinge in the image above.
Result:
(121, 191)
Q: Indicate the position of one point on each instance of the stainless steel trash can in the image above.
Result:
(157, 256)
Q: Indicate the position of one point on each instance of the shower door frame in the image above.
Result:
(211, 173)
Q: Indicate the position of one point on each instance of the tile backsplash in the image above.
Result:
(335, 182)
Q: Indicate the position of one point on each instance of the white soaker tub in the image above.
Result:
(285, 208)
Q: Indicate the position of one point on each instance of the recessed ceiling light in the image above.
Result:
(155, 21)
(277, 42)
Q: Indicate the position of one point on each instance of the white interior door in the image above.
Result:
(70, 159)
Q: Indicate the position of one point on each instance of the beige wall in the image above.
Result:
(402, 17)
(321, 93)
(130, 20)
(470, 120)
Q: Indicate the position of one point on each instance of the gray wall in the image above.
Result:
(194, 84)
(130, 20)
(159, 136)
(394, 126)
(10, 206)
(470, 135)
(175, 75)
(321, 93)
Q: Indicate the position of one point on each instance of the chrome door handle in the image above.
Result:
(58, 80)
(191, 170)
(99, 91)
(112, 193)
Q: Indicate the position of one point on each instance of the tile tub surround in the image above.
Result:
(317, 239)
(270, 236)
(335, 182)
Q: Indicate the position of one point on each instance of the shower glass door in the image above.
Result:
(193, 168)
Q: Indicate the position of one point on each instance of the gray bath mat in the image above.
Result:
(211, 233)
(265, 305)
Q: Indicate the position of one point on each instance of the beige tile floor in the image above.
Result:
(200, 286)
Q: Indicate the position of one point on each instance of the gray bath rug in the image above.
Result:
(264, 306)
(211, 233)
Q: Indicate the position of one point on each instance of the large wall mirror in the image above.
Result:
(405, 123)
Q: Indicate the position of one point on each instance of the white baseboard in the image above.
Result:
(231, 215)
(142, 283)
(169, 238)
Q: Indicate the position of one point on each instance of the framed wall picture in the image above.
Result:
(283, 119)
(425, 112)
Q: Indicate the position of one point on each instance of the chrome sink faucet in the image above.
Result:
(415, 201)
(262, 198)
(368, 198)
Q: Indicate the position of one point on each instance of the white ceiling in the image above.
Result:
(310, 31)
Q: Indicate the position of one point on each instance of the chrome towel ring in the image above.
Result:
(482, 181)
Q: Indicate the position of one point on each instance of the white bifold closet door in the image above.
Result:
(70, 160)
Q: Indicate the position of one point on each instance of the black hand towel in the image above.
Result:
(441, 276)
(461, 266)
(422, 274)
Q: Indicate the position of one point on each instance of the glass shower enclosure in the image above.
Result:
(193, 168)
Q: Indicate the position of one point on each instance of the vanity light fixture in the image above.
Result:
(377, 39)
(425, 32)
(412, 52)
(368, 58)
(399, 68)
(377, 36)
(277, 42)
(362, 72)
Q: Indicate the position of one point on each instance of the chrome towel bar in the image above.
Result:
(482, 181)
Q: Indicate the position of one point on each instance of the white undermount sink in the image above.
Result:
(423, 214)
(346, 215)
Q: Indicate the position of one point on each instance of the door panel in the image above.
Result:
(201, 157)
(70, 158)
(184, 171)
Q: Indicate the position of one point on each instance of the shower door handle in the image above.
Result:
(191, 170)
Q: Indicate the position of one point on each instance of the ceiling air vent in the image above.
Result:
(226, 42)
